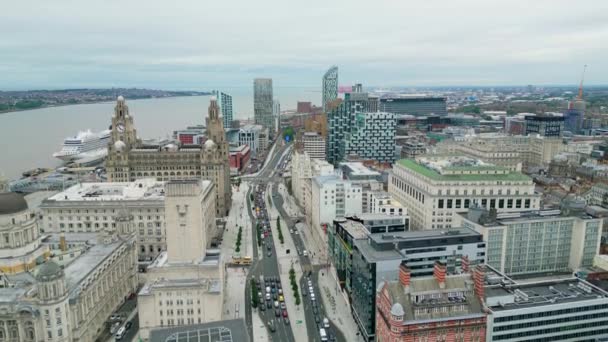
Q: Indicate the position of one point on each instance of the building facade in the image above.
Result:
(541, 242)
(303, 169)
(239, 157)
(414, 105)
(330, 86)
(225, 103)
(435, 189)
(314, 145)
(372, 137)
(545, 125)
(184, 285)
(128, 159)
(254, 136)
(71, 288)
(263, 104)
(441, 307)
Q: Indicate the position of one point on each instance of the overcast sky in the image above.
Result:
(207, 44)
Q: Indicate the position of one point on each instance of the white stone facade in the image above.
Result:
(314, 145)
(433, 197)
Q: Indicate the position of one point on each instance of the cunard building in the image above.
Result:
(129, 159)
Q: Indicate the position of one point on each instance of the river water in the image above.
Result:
(29, 138)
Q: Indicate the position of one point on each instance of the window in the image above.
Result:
(449, 204)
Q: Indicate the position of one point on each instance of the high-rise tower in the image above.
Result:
(224, 101)
(262, 104)
(330, 86)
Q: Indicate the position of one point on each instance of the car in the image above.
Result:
(262, 307)
(280, 291)
(284, 313)
(115, 318)
(277, 313)
(283, 306)
(269, 254)
(269, 305)
(120, 334)
(128, 325)
(305, 253)
(271, 326)
(304, 294)
(281, 298)
(286, 320)
(275, 296)
(311, 289)
(317, 319)
(114, 328)
(297, 233)
(325, 322)
(312, 296)
(315, 310)
(273, 290)
(309, 282)
(276, 304)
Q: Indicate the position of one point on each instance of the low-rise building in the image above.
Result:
(94, 207)
(542, 242)
(381, 202)
(435, 189)
(239, 157)
(303, 169)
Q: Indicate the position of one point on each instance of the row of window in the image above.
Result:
(549, 322)
(529, 334)
(551, 313)
(500, 204)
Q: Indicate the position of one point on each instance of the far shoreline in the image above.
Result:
(96, 102)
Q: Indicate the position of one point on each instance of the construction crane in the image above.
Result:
(580, 87)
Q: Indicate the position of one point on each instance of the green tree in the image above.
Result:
(254, 294)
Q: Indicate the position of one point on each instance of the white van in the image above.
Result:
(323, 334)
(120, 333)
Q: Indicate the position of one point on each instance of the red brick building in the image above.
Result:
(239, 157)
(442, 307)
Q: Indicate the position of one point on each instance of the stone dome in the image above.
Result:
(120, 99)
(397, 310)
(11, 203)
(49, 271)
(119, 145)
(171, 148)
(209, 144)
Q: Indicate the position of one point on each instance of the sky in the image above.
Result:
(202, 45)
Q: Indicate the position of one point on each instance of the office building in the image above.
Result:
(184, 285)
(314, 145)
(545, 311)
(381, 202)
(129, 207)
(417, 105)
(376, 258)
(543, 242)
(341, 121)
(276, 115)
(441, 307)
(545, 125)
(263, 105)
(303, 169)
(434, 189)
(369, 180)
(304, 107)
(372, 137)
(225, 103)
(573, 120)
(254, 136)
(192, 135)
(330, 87)
(332, 197)
(59, 287)
(129, 159)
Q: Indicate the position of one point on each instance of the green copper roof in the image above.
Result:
(430, 173)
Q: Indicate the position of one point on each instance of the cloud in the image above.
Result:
(68, 43)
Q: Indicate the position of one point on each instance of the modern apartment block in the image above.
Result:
(365, 261)
(263, 104)
(333, 197)
(314, 145)
(542, 242)
(94, 207)
(340, 122)
(414, 105)
(330, 86)
(441, 307)
(372, 137)
(225, 102)
(435, 189)
(254, 136)
(545, 125)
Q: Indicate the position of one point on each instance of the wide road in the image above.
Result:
(263, 264)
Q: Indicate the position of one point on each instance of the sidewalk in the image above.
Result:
(296, 313)
(336, 304)
(260, 333)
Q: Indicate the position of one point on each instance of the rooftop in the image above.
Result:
(358, 169)
(141, 189)
(220, 331)
(210, 285)
(356, 229)
(451, 172)
(520, 296)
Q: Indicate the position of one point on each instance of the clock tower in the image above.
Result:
(124, 138)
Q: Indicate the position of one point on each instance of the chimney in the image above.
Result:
(439, 273)
(404, 277)
(464, 265)
(479, 276)
(62, 245)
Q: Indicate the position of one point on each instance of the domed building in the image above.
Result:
(129, 159)
(20, 242)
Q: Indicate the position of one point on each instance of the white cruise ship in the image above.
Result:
(84, 145)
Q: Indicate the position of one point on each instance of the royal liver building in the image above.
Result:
(129, 159)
